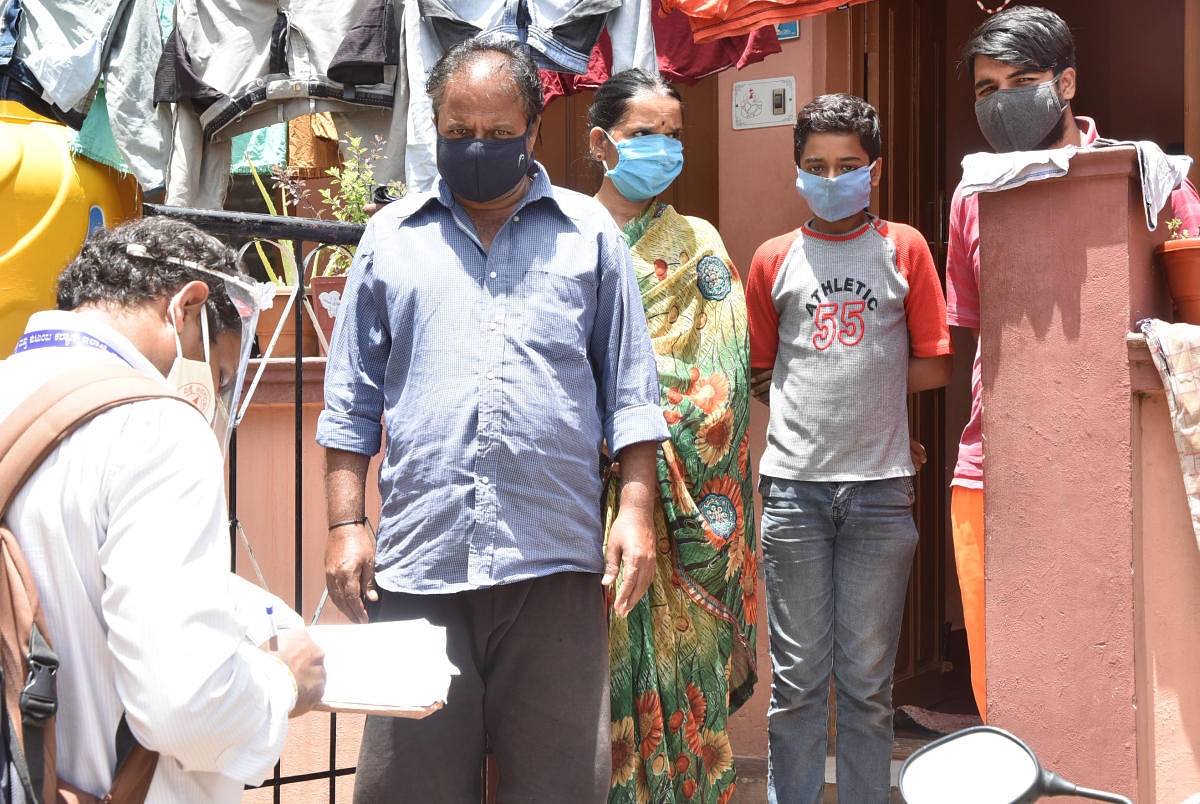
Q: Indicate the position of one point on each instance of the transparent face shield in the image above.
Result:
(249, 298)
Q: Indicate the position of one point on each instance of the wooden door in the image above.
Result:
(892, 52)
(562, 148)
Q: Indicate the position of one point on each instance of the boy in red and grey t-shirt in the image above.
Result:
(847, 318)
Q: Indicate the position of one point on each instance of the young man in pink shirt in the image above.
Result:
(1022, 65)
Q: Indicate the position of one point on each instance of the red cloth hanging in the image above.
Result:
(679, 57)
(714, 19)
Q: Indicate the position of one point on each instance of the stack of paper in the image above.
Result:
(389, 668)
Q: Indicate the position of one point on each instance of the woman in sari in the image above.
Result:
(683, 660)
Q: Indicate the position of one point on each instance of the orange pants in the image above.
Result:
(966, 522)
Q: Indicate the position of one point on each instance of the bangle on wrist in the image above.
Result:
(359, 521)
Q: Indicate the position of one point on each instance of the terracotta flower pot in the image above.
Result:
(327, 292)
(1181, 261)
(286, 345)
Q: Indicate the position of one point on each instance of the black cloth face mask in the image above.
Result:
(482, 169)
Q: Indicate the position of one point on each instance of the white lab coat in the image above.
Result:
(125, 530)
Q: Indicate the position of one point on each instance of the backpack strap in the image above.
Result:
(27, 436)
(33, 430)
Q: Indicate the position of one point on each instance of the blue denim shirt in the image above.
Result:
(497, 375)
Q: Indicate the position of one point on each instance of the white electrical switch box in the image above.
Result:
(766, 102)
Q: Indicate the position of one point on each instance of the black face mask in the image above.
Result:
(482, 169)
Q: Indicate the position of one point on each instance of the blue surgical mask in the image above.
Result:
(646, 165)
(837, 198)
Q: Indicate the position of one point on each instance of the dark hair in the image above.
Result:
(611, 101)
(1025, 36)
(838, 113)
(518, 65)
(106, 274)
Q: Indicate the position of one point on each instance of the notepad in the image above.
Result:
(390, 668)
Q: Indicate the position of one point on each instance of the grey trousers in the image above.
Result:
(533, 657)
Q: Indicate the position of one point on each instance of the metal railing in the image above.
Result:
(245, 226)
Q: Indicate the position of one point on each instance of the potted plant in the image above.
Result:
(346, 199)
(1180, 256)
(276, 329)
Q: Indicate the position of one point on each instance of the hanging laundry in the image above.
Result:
(265, 147)
(431, 26)
(421, 52)
(53, 54)
(714, 19)
(682, 59)
(231, 66)
(559, 34)
(678, 59)
(600, 67)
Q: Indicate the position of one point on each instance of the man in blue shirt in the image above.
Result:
(496, 328)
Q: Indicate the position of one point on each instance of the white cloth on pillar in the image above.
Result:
(1175, 349)
(1160, 174)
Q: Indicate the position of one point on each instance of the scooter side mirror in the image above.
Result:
(983, 765)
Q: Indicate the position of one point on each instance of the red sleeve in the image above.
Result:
(760, 299)
(1185, 205)
(924, 306)
(962, 262)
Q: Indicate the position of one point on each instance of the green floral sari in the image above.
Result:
(683, 661)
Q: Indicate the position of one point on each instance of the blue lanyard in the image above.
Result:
(62, 339)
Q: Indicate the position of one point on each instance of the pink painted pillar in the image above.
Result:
(1066, 270)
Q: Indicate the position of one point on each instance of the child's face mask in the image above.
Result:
(837, 198)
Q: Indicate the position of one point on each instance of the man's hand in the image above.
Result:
(349, 550)
(917, 451)
(631, 540)
(350, 570)
(306, 660)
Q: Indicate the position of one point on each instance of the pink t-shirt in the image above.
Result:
(962, 298)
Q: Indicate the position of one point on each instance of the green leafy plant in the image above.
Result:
(1175, 227)
(347, 197)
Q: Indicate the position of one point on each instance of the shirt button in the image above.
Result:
(491, 375)
(492, 274)
(483, 479)
(516, 218)
(492, 325)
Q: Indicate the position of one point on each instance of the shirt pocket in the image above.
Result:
(557, 309)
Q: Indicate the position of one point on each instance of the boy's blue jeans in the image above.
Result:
(837, 557)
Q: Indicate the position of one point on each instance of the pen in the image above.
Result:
(273, 641)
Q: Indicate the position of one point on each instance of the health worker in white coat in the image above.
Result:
(125, 525)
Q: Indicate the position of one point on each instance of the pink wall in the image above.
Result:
(1060, 464)
(1167, 604)
(756, 174)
